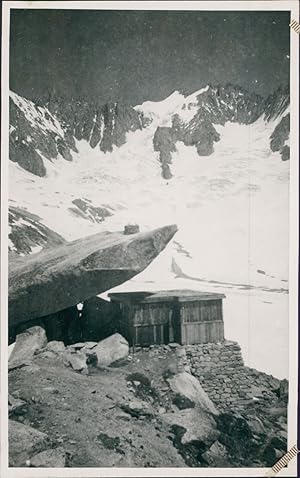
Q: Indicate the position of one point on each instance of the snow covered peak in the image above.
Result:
(162, 111)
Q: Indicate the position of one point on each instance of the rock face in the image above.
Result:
(24, 441)
(102, 125)
(27, 234)
(277, 103)
(35, 134)
(111, 349)
(48, 129)
(53, 280)
(27, 344)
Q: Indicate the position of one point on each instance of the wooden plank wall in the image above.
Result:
(202, 332)
(208, 310)
(145, 324)
(150, 314)
(156, 323)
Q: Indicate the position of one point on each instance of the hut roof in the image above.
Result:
(182, 295)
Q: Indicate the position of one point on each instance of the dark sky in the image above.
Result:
(132, 56)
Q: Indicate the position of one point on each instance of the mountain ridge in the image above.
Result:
(39, 132)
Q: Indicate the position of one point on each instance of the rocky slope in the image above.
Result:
(143, 410)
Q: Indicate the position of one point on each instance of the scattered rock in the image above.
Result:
(137, 408)
(173, 345)
(91, 356)
(15, 406)
(52, 458)
(47, 354)
(216, 456)
(24, 441)
(183, 402)
(76, 360)
(27, 345)
(110, 443)
(111, 349)
(89, 345)
(55, 346)
(256, 426)
(170, 371)
(77, 346)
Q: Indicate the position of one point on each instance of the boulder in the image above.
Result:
(56, 346)
(111, 349)
(216, 456)
(52, 280)
(91, 356)
(137, 408)
(24, 441)
(188, 386)
(76, 360)
(256, 425)
(198, 427)
(89, 345)
(27, 345)
(52, 458)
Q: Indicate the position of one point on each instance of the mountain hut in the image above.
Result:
(182, 316)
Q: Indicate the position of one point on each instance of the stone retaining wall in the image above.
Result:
(223, 375)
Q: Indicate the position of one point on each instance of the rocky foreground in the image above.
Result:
(103, 404)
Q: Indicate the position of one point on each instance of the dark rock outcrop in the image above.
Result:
(198, 132)
(85, 209)
(27, 232)
(45, 129)
(53, 280)
(277, 103)
(102, 125)
(230, 103)
(164, 141)
(279, 136)
(35, 134)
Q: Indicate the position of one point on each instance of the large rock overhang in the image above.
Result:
(53, 280)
